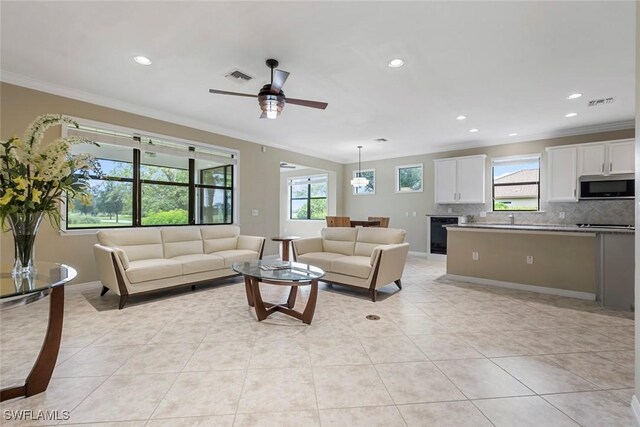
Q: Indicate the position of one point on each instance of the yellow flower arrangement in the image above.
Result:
(35, 177)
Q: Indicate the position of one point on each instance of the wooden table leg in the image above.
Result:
(40, 375)
(261, 309)
(307, 315)
(285, 250)
(247, 287)
(291, 302)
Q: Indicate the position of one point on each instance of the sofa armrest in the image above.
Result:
(251, 243)
(305, 246)
(389, 262)
(108, 259)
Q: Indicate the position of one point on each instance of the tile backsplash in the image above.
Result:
(584, 211)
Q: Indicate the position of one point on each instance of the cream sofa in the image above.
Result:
(143, 260)
(365, 257)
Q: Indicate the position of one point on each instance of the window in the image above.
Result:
(308, 197)
(153, 182)
(370, 188)
(409, 178)
(516, 183)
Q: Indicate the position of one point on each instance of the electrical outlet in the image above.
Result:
(474, 255)
(450, 210)
(414, 213)
(406, 214)
(483, 214)
(529, 259)
(561, 215)
(254, 212)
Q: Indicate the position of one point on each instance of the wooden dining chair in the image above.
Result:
(338, 221)
(384, 220)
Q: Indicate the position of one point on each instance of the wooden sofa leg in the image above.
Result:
(104, 291)
(123, 301)
(373, 294)
(398, 283)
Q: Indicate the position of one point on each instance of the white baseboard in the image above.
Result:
(523, 287)
(419, 254)
(437, 257)
(635, 409)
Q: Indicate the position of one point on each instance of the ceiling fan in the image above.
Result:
(271, 97)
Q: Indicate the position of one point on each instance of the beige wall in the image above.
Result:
(259, 178)
(561, 261)
(396, 206)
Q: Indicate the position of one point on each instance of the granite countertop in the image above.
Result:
(545, 227)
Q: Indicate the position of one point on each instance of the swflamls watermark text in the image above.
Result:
(31, 415)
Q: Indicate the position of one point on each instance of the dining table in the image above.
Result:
(365, 223)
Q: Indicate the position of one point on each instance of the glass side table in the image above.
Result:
(282, 273)
(49, 280)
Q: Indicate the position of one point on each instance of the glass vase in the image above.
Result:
(24, 227)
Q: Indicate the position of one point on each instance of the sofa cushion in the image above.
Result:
(357, 266)
(370, 237)
(319, 259)
(181, 241)
(339, 240)
(236, 255)
(220, 238)
(138, 244)
(152, 269)
(197, 263)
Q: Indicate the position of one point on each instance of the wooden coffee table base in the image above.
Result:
(265, 309)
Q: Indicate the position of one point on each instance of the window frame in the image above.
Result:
(397, 179)
(522, 158)
(308, 198)
(354, 189)
(137, 148)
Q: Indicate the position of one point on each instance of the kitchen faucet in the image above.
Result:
(512, 218)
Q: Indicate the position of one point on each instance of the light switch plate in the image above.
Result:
(254, 212)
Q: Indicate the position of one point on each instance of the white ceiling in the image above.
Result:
(508, 66)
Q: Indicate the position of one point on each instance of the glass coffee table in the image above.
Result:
(49, 279)
(282, 273)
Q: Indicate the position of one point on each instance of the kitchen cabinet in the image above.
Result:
(616, 281)
(460, 180)
(606, 158)
(622, 157)
(562, 174)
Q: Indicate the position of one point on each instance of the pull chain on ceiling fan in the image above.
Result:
(271, 98)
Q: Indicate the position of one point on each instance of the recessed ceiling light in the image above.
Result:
(571, 114)
(574, 96)
(473, 130)
(396, 63)
(142, 60)
(513, 134)
(461, 117)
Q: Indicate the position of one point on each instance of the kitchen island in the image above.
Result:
(589, 263)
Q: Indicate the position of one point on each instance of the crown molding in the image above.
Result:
(103, 101)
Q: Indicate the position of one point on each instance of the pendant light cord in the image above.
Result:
(359, 161)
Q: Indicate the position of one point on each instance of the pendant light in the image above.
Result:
(359, 180)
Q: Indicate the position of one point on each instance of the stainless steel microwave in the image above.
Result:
(607, 187)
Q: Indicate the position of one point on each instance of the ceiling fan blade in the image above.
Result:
(224, 92)
(305, 103)
(278, 81)
(263, 115)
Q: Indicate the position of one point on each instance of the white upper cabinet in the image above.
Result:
(606, 158)
(622, 157)
(592, 159)
(562, 174)
(471, 180)
(460, 180)
(445, 181)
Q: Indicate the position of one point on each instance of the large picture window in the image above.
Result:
(516, 183)
(151, 182)
(308, 197)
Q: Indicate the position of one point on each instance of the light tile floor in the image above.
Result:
(443, 353)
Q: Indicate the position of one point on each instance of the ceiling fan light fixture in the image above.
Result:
(271, 105)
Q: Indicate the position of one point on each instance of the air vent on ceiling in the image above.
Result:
(601, 101)
(238, 76)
